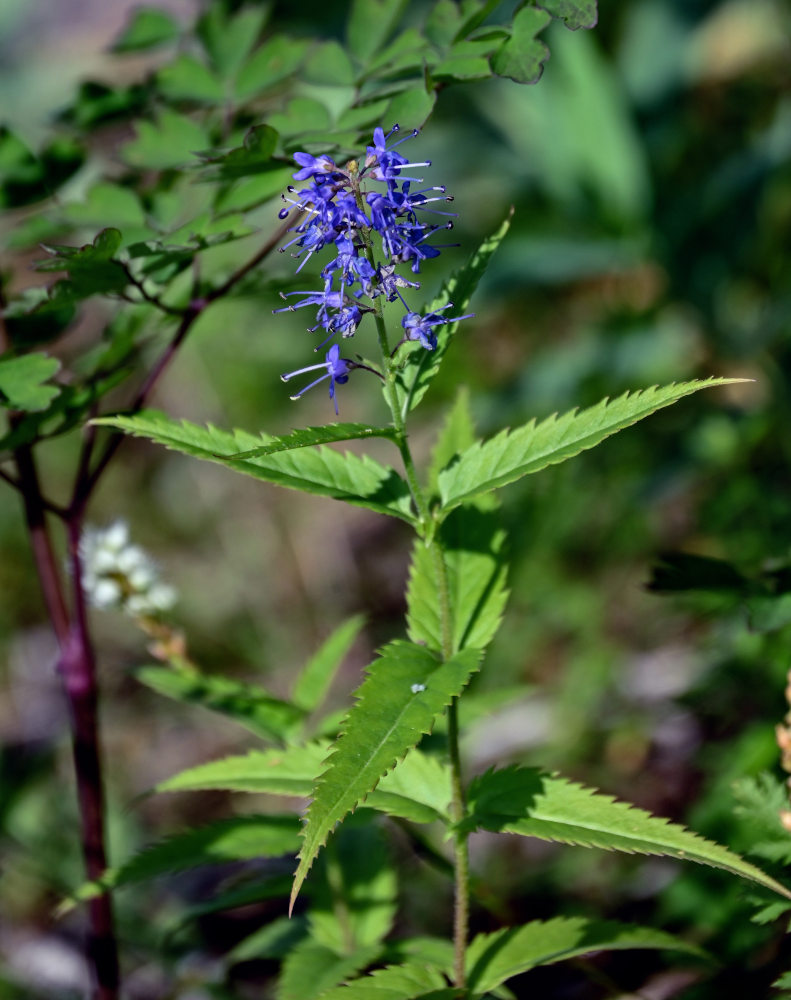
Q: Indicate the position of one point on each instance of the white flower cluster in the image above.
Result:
(117, 574)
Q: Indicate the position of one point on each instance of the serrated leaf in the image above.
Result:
(288, 771)
(417, 789)
(359, 481)
(421, 366)
(22, 381)
(369, 24)
(574, 13)
(236, 839)
(313, 681)
(404, 692)
(521, 58)
(534, 446)
(472, 544)
(171, 140)
(494, 958)
(395, 982)
(359, 876)
(456, 435)
(249, 705)
(312, 968)
(271, 62)
(186, 78)
(535, 804)
(307, 436)
(147, 28)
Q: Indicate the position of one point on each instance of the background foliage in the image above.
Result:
(650, 177)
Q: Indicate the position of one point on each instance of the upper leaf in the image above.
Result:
(513, 454)
(147, 28)
(494, 958)
(535, 804)
(421, 366)
(404, 692)
(360, 481)
(472, 544)
(22, 381)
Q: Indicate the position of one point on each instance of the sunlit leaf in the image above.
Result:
(22, 381)
(407, 687)
(313, 968)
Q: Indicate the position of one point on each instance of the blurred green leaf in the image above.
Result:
(411, 108)
(171, 140)
(302, 114)
(408, 981)
(252, 157)
(148, 27)
(22, 381)
(574, 13)
(312, 969)
(328, 63)
(314, 680)
(25, 177)
(273, 61)
(107, 204)
(494, 958)
(521, 58)
(237, 839)
(229, 39)
(369, 24)
(248, 704)
(186, 78)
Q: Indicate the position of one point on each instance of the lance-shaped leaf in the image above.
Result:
(313, 682)
(239, 838)
(535, 804)
(404, 692)
(421, 365)
(359, 481)
(249, 705)
(307, 436)
(471, 544)
(513, 454)
(494, 958)
(417, 789)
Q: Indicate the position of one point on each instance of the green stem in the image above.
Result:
(458, 803)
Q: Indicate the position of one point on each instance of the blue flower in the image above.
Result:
(417, 327)
(337, 371)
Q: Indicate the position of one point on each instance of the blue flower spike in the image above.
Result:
(336, 370)
(338, 207)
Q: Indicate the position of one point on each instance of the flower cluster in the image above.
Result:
(117, 574)
(334, 209)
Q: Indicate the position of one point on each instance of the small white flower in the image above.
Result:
(117, 574)
(416, 688)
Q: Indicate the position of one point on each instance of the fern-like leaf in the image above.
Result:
(535, 804)
(494, 958)
(512, 454)
(404, 692)
(359, 481)
(307, 436)
(312, 969)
